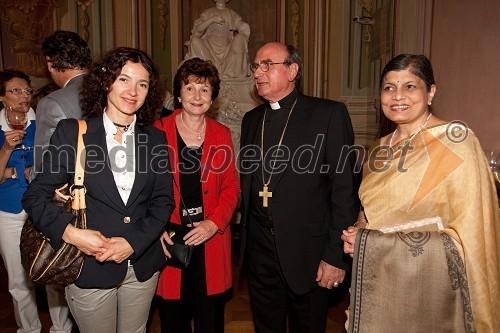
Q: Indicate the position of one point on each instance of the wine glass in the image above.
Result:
(17, 119)
(493, 156)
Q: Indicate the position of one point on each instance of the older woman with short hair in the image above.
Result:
(206, 194)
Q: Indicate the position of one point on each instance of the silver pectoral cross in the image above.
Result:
(265, 194)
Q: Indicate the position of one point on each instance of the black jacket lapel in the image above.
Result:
(296, 124)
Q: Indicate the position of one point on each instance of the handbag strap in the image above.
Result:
(183, 204)
(80, 154)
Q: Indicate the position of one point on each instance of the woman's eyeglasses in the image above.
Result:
(19, 91)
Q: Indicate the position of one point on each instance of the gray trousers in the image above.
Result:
(122, 309)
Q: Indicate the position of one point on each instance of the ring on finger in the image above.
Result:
(336, 284)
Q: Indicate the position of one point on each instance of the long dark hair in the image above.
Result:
(94, 93)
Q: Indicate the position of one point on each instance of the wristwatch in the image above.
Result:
(14, 174)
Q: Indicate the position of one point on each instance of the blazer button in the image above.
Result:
(126, 219)
(206, 192)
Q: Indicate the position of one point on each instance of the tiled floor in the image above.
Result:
(238, 316)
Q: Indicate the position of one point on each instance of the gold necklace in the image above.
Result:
(413, 136)
(198, 134)
(265, 194)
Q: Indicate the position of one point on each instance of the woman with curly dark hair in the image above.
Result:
(94, 93)
(129, 194)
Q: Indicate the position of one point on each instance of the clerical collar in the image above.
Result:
(275, 105)
(285, 102)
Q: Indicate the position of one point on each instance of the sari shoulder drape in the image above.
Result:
(441, 182)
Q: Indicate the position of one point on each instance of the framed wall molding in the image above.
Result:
(413, 24)
(316, 38)
(360, 73)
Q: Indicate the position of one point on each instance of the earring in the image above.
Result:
(429, 103)
(179, 99)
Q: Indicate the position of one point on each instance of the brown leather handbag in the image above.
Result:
(43, 264)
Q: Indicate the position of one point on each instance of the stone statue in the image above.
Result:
(220, 35)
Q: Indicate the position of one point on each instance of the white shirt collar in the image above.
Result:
(121, 157)
(275, 105)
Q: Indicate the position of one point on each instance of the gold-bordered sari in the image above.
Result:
(439, 183)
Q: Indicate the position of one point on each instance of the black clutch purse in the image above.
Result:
(181, 253)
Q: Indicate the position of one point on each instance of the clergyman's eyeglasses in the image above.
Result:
(264, 66)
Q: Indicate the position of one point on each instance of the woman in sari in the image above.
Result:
(427, 246)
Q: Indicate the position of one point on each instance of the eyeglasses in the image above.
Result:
(19, 91)
(264, 66)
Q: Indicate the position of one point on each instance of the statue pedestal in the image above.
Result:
(236, 97)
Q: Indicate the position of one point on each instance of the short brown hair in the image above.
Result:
(8, 75)
(200, 69)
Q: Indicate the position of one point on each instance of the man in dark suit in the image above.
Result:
(299, 192)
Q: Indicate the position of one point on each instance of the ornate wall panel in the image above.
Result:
(24, 24)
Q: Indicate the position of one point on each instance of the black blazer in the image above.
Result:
(140, 221)
(309, 209)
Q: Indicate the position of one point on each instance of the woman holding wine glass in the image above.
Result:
(17, 133)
